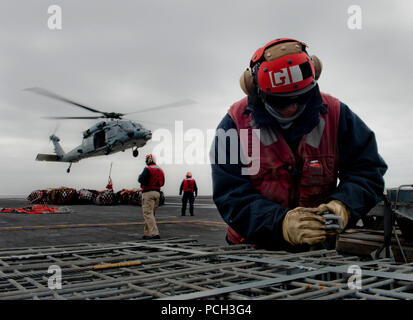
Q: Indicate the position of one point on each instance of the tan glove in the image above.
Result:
(304, 226)
(338, 208)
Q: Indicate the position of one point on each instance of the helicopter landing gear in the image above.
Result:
(68, 169)
(107, 150)
(135, 152)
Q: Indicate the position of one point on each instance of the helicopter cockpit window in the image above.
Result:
(137, 125)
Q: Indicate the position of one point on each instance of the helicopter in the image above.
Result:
(111, 135)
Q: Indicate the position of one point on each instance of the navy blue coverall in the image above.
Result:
(258, 219)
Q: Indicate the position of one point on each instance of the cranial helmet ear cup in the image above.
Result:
(247, 82)
(318, 66)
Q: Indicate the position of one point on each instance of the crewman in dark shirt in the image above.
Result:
(151, 179)
(314, 156)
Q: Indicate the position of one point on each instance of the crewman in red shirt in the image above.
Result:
(109, 186)
(190, 190)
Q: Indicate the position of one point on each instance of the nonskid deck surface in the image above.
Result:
(107, 224)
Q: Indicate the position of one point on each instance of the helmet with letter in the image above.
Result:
(188, 175)
(281, 73)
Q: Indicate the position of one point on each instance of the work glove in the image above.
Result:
(304, 226)
(338, 208)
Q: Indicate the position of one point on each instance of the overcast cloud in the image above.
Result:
(123, 56)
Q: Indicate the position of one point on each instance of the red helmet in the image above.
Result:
(281, 68)
(189, 175)
(150, 158)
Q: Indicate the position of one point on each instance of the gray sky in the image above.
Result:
(123, 56)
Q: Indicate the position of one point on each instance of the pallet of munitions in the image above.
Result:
(181, 269)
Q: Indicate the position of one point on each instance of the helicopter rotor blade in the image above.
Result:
(47, 93)
(159, 124)
(156, 125)
(166, 106)
(72, 117)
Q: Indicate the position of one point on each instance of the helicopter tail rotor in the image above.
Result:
(53, 136)
(57, 147)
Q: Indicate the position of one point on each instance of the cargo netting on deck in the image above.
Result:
(181, 269)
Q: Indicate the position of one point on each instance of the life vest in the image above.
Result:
(156, 180)
(188, 184)
(305, 178)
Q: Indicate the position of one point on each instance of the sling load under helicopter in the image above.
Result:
(105, 137)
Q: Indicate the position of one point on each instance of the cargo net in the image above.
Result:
(36, 209)
(182, 269)
(69, 196)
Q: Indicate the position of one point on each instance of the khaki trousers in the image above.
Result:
(150, 203)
